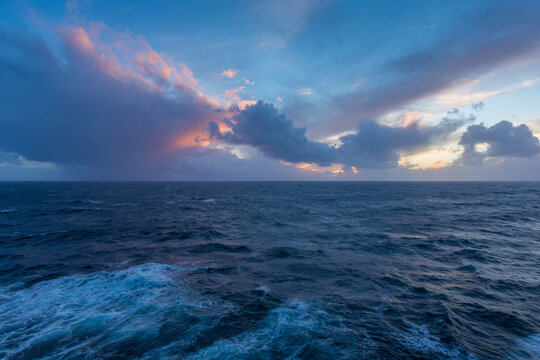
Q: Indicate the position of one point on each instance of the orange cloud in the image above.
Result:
(191, 139)
(234, 99)
(438, 164)
(130, 59)
(88, 43)
(333, 170)
(411, 119)
(232, 92)
(242, 104)
(153, 64)
(195, 138)
(230, 73)
(80, 39)
(429, 159)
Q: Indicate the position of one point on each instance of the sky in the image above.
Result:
(269, 90)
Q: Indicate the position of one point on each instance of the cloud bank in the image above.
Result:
(377, 146)
(373, 146)
(501, 140)
(88, 107)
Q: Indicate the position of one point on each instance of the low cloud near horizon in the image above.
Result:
(373, 146)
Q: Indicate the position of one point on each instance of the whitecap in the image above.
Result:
(526, 349)
(296, 329)
(94, 201)
(114, 310)
(263, 288)
(7, 211)
(418, 340)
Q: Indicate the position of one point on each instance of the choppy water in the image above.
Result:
(270, 270)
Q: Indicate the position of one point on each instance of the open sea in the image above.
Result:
(270, 270)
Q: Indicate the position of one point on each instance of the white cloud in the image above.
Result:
(304, 91)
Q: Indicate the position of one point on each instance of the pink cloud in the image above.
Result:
(79, 38)
(130, 59)
(233, 92)
(230, 73)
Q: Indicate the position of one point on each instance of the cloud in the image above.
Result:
(12, 159)
(75, 6)
(490, 42)
(500, 140)
(233, 99)
(377, 146)
(230, 73)
(162, 71)
(126, 58)
(222, 165)
(263, 127)
(464, 93)
(357, 84)
(232, 92)
(372, 146)
(477, 106)
(282, 20)
(305, 91)
(93, 107)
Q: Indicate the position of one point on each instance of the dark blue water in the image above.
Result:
(270, 270)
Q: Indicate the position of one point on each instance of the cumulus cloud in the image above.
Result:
(263, 127)
(372, 146)
(91, 107)
(500, 140)
(377, 146)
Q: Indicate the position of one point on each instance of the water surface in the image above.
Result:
(270, 270)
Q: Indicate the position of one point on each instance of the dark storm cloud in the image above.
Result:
(264, 128)
(502, 139)
(71, 111)
(373, 146)
(489, 42)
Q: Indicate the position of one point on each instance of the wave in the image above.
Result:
(7, 211)
(122, 313)
(526, 349)
(298, 329)
(150, 311)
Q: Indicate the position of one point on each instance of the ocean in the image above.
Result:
(270, 270)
